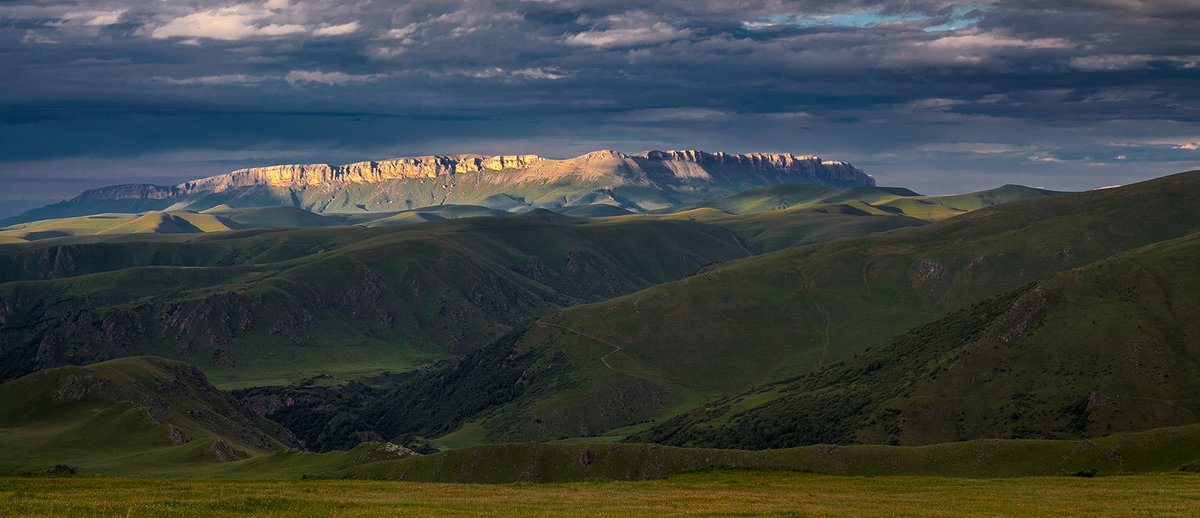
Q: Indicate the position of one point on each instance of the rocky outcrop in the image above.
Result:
(597, 163)
(804, 164)
(360, 172)
(132, 191)
(651, 180)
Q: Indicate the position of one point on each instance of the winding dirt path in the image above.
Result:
(603, 359)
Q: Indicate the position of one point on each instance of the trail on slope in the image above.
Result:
(603, 359)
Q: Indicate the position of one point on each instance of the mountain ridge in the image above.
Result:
(532, 166)
(636, 182)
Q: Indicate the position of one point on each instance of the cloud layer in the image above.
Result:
(939, 95)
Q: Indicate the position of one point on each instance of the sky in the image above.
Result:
(940, 96)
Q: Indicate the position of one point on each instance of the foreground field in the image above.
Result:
(742, 493)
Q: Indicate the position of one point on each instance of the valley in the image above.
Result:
(861, 331)
(566, 258)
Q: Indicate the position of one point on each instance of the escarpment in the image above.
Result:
(634, 182)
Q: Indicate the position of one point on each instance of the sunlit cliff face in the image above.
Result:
(295, 175)
(688, 164)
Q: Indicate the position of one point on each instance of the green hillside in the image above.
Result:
(140, 415)
(776, 197)
(941, 207)
(597, 210)
(624, 362)
(156, 223)
(874, 199)
(772, 230)
(148, 450)
(766, 202)
(351, 299)
(775, 230)
(148, 416)
(254, 307)
(425, 214)
(174, 222)
(252, 217)
(1113, 346)
(221, 218)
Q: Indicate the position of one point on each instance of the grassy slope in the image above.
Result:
(174, 222)
(749, 213)
(267, 307)
(1113, 346)
(772, 230)
(747, 322)
(776, 197)
(145, 414)
(251, 217)
(775, 230)
(148, 416)
(879, 199)
(330, 418)
(219, 219)
(260, 263)
(941, 207)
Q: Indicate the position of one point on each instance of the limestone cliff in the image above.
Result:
(684, 165)
(635, 182)
(300, 175)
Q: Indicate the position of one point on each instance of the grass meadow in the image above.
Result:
(716, 493)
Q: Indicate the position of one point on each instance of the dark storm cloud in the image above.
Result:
(941, 95)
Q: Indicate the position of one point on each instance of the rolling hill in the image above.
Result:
(941, 207)
(892, 200)
(256, 307)
(613, 367)
(426, 285)
(733, 212)
(776, 197)
(143, 413)
(173, 222)
(219, 219)
(1109, 347)
(150, 417)
(1063, 319)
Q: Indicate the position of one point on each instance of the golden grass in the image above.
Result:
(700, 494)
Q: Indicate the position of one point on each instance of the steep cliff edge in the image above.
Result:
(301, 175)
(635, 182)
(681, 165)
